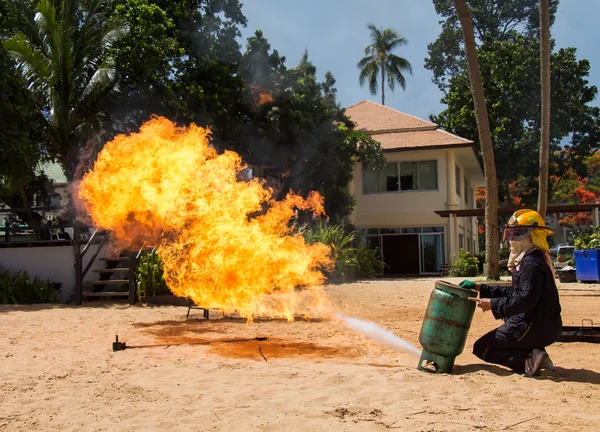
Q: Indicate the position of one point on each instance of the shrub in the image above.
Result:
(150, 276)
(503, 253)
(588, 240)
(353, 259)
(465, 265)
(16, 288)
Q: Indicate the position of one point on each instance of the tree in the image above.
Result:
(61, 51)
(485, 140)
(511, 80)
(545, 123)
(22, 135)
(579, 188)
(144, 60)
(208, 88)
(493, 21)
(181, 60)
(379, 61)
(301, 129)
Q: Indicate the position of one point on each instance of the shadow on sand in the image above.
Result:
(466, 369)
(573, 375)
(559, 375)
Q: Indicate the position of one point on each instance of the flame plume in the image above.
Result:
(167, 186)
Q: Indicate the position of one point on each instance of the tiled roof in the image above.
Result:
(419, 139)
(373, 117)
(396, 130)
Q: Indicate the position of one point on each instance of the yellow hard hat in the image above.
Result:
(523, 222)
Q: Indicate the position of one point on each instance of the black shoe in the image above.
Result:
(534, 364)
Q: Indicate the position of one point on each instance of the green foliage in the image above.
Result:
(352, 257)
(379, 61)
(588, 241)
(22, 135)
(62, 52)
(150, 276)
(16, 288)
(493, 20)
(302, 130)
(465, 265)
(144, 59)
(510, 73)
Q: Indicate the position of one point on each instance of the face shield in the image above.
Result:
(516, 233)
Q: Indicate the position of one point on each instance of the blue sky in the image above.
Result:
(335, 34)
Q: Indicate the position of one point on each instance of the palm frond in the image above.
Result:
(395, 76)
(400, 62)
(373, 79)
(364, 61)
(370, 72)
(102, 78)
(34, 66)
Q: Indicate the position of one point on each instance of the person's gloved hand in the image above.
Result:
(467, 284)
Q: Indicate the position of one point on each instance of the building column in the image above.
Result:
(595, 217)
(451, 204)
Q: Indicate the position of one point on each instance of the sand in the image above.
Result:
(58, 371)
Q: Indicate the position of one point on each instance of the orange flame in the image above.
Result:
(167, 186)
(261, 96)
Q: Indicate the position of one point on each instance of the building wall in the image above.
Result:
(417, 208)
(55, 263)
(404, 207)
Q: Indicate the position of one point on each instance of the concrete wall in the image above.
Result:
(392, 209)
(49, 262)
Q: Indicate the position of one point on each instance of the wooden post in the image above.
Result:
(132, 267)
(78, 264)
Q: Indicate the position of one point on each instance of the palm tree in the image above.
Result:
(545, 127)
(62, 52)
(379, 61)
(485, 139)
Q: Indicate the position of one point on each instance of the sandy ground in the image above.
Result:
(58, 371)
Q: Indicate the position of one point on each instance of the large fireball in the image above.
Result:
(166, 186)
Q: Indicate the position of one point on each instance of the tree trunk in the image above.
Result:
(545, 128)
(485, 139)
(382, 85)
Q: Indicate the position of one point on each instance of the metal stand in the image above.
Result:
(191, 305)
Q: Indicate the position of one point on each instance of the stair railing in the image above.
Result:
(79, 253)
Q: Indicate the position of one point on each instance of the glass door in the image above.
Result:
(431, 253)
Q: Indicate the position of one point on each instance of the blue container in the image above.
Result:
(587, 265)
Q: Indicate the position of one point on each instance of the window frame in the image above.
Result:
(382, 178)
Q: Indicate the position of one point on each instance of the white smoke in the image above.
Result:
(375, 332)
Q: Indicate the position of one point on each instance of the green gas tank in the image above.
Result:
(445, 326)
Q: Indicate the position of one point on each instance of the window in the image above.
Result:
(457, 178)
(428, 175)
(408, 175)
(391, 177)
(401, 176)
(466, 192)
(461, 241)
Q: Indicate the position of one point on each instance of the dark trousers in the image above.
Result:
(500, 346)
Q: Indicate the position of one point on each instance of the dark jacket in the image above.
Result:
(531, 303)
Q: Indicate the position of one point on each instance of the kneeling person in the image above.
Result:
(530, 307)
